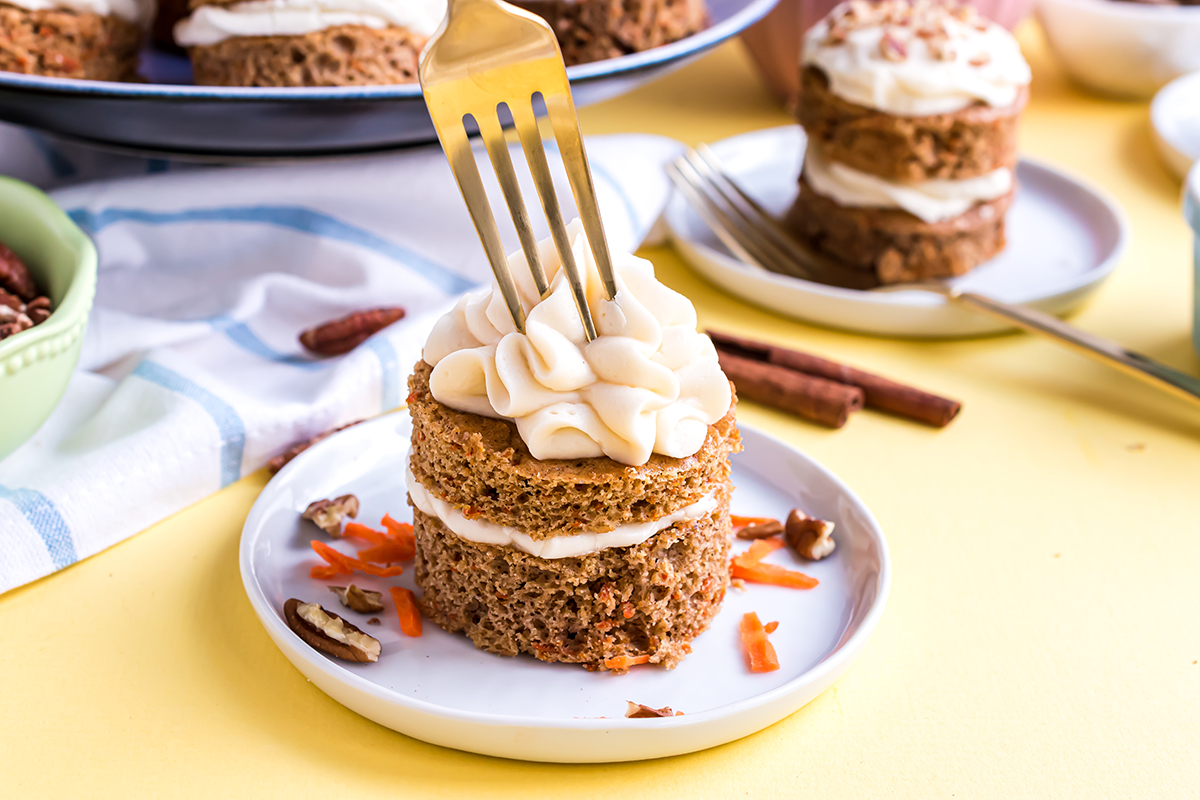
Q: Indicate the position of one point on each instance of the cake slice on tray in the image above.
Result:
(593, 30)
(307, 42)
(911, 112)
(87, 39)
(571, 498)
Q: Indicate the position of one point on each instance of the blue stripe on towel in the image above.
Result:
(389, 371)
(240, 334)
(229, 424)
(297, 218)
(45, 518)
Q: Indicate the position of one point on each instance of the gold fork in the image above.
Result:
(486, 54)
(756, 237)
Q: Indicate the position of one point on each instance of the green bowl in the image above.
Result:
(36, 364)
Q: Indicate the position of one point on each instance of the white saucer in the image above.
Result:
(439, 688)
(1175, 117)
(1064, 238)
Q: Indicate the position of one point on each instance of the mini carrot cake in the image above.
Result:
(911, 113)
(307, 42)
(89, 39)
(571, 499)
(592, 30)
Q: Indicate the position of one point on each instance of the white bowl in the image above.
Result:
(1122, 48)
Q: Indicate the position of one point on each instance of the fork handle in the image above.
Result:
(1106, 352)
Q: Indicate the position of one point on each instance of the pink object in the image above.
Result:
(774, 43)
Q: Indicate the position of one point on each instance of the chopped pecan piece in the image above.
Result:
(364, 601)
(639, 711)
(328, 514)
(343, 335)
(296, 448)
(325, 631)
(762, 530)
(809, 537)
(15, 277)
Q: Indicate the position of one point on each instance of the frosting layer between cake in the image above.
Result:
(931, 201)
(127, 10)
(577, 544)
(211, 24)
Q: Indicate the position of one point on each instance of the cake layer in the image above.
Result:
(481, 466)
(68, 44)
(650, 599)
(344, 55)
(964, 144)
(591, 30)
(894, 244)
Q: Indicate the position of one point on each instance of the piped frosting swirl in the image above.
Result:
(649, 383)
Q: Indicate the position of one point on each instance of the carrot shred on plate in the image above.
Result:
(389, 552)
(742, 522)
(774, 575)
(771, 626)
(760, 653)
(325, 572)
(345, 564)
(625, 662)
(749, 567)
(407, 610)
(397, 530)
(356, 530)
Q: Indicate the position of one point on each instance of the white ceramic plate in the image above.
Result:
(1064, 238)
(439, 688)
(1175, 117)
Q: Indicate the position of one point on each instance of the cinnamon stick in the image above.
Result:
(878, 392)
(820, 400)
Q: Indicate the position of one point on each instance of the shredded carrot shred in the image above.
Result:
(774, 575)
(397, 530)
(389, 552)
(356, 530)
(770, 627)
(760, 653)
(407, 610)
(742, 522)
(749, 567)
(625, 662)
(345, 564)
(325, 572)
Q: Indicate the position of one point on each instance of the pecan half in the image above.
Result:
(296, 448)
(325, 631)
(763, 530)
(15, 277)
(364, 601)
(639, 711)
(809, 537)
(343, 335)
(328, 514)
(891, 48)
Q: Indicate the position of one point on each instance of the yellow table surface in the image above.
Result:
(1041, 639)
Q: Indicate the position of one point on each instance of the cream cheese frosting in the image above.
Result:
(577, 544)
(209, 24)
(128, 10)
(649, 383)
(931, 201)
(916, 60)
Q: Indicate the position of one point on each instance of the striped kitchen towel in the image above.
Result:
(191, 374)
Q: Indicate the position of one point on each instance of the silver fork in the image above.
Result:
(752, 234)
(486, 54)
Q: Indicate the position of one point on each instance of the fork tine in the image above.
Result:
(462, 163)
(722, 217)
(497, 148)
(565, 122)
(767, 222)
(535, 155)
